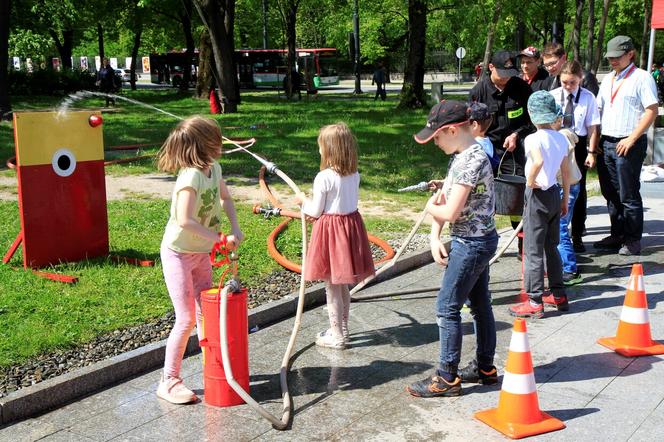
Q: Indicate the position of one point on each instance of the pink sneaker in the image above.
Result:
(174, 391)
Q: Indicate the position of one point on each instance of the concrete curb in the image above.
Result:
(61, 390)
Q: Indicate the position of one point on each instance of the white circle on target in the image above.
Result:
(63, 162)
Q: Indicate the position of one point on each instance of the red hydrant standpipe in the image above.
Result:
(234, 354)
(283, 373)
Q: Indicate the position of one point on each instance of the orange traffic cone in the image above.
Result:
(633, 335)
(518, 414)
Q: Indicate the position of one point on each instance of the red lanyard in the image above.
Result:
(613, 94)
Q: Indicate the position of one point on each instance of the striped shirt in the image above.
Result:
(586, 113)
(623, 98)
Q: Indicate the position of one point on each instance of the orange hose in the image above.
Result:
(272, 238)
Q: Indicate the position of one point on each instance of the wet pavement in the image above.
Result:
(358, 394)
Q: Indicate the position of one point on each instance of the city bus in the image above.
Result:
(259, 68)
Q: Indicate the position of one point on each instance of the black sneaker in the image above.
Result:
(434, 386)
(472, 374)
(609, 243)
(630, 248)
(570, 278)
(578, 246)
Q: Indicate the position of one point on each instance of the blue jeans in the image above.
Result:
(466, 278)
(565, 247)
(619, 180)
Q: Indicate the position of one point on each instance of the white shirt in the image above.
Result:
(553, 147)
(333, 194)
(586, 112)
(633, 93)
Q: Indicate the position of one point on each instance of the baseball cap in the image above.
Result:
(504, 62)
(618, 45)
(531, 51)
(542, 108)
(479, 111)
(444, 114)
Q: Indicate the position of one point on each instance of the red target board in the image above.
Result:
(61, 187)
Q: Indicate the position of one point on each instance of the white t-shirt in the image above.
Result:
(586, 112)
(333, 194)
(553, 147)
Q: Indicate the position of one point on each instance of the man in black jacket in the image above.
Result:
(506, 95)
(532, 71)
(554, 57)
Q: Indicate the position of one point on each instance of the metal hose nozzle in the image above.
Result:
(419, 187)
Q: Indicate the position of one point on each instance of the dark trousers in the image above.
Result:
(380, 91)
(579, 213)
(541, 229)
(619, 181)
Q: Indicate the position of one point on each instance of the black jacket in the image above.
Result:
(542, 81)
(508, 107)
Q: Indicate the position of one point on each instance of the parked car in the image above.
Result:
(125, 74)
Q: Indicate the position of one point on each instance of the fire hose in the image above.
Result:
(283, 372)
(277, 210)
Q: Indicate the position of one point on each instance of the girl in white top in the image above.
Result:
(192, 149)
(339, 252)
(581, 116)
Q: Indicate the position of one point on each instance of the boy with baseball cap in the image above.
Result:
(467, 203)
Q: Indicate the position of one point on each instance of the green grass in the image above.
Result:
(38, 316)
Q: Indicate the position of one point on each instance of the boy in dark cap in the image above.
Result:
(467, 203)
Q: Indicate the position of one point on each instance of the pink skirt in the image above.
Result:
(339, 250)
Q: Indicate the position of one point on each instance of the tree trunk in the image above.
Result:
(646, 35)
(491, 32)
(100, 39)
(591, 35)
(291, 20)
(520, 34)
(576, 31)
(189, 39)
(64, 47)
(412, 92)
(559, 24)
(600, 35)
(218, 17)
(205, 61)
(138, 31)
(5, 103)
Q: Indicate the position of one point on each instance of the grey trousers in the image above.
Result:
(541, 230)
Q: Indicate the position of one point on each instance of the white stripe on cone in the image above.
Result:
(519, 342)
(634, 315)
(519, 383)
(636, 284)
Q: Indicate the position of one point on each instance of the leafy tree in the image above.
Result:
(218, 17)
(288, 11)
(5, 104)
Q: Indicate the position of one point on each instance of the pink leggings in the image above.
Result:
(186, 276)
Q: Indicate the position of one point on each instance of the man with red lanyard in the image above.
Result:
(628, 105)
(531, 70)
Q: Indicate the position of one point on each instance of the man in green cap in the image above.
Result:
(627, 100)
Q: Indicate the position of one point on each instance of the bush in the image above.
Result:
(49, 82)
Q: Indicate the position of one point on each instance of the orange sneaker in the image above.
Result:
(527, 309)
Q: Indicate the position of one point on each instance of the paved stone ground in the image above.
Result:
(358, 394)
